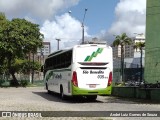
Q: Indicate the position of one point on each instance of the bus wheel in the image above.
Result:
(91, 97)
(47, 89)
(62, 93)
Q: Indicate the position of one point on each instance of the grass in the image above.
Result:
(23, 83)
(37, 83)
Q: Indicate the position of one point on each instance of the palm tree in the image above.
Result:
(140, 46)
(122, 40)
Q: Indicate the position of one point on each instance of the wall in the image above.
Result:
(152, 48)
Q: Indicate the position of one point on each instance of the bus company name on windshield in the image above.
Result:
(93, 72)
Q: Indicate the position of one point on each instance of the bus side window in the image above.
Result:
(63, 57)
(68, 59)
(54, 62)
(58, 62)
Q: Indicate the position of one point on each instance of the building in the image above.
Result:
(40, 56)
(132, 60)
(131, 55)
(139, 38)
(128, 51)
(43, 52)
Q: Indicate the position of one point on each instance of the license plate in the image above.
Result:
(92, 86)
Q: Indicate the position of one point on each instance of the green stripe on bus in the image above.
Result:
(87, 58)
(94, 54)
(51, 72)
(99, 50)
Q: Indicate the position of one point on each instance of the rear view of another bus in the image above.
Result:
(92, 70)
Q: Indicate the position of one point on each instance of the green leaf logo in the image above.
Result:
(94, 54)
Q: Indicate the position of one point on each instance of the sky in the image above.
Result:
(103, 18)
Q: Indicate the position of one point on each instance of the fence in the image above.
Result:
(5, 79)
(132, 72)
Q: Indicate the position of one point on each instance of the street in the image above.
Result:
(37, 99)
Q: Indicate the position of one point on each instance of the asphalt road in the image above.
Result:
(37, 99)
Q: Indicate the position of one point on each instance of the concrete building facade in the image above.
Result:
(43, 52)
(152, 47)
(139, 38)
(128, 51)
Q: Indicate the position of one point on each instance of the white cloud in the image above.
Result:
(30, 19)
(130, 18)
(35, 9)
(43, 12)
(64, 27)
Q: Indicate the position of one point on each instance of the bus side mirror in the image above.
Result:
(42, 68)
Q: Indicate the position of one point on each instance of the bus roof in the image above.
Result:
(76, 46)
(87, 45)
(58, 52)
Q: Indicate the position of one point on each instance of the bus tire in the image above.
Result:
(91, 97)
(47, 89)
(62, 93)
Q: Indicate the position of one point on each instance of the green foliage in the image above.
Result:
(139, 45)
(36, 84)
(1, 81)
(18, 38)
(2, 19)
(24, 66)
(122, 40)
(24, 83)
(120, 84)
(13, 83)
(2, 52)
(5, 84)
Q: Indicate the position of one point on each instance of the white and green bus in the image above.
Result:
(85, 70)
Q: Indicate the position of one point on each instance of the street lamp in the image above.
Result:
(83, 26)
(58, 43)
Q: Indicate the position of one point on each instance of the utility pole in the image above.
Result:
(58, 43)
(83, 26)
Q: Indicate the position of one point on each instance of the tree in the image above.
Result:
(23, 66)
(2, 57)
(122, 40)
(140, 46)
(18, 37)
(2, 53)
